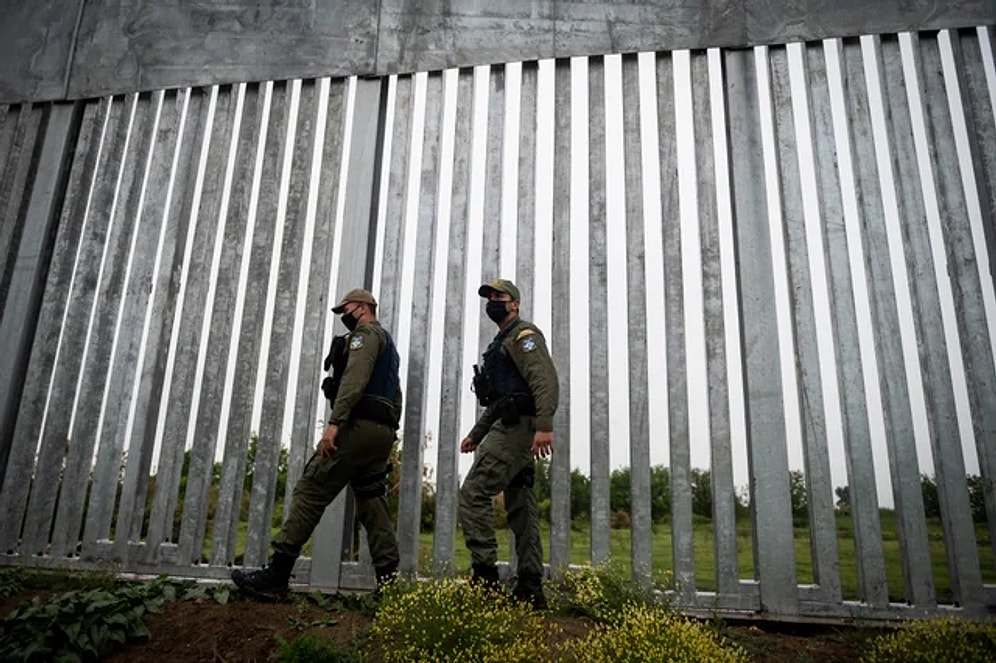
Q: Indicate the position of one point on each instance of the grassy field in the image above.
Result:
(705, 569)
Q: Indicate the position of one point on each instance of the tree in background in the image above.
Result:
(843, 494)
(619, 490)
(660, 493)
(977, 497)
(799, 496)
(701, 481)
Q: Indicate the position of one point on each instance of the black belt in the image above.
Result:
(376, 409)
(512, 406)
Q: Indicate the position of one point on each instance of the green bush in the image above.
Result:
(11, 582)
(79, 625)
(85, 624)
(310, 649)
(937, 641)
(455, 622)
(602, 591)
(652, 633)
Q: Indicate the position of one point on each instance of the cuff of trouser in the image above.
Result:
(544, 423)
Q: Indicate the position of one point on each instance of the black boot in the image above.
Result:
(485, 575)
(269, 582)
(386, 575)
(529, 589)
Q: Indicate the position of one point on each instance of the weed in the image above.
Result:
(935, 641)
(79, 625)
(455, 622)
(652, 633)
(602, 591)
(310, 649)
(11, 582)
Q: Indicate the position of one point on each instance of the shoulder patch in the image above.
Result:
(529, 344)
(524, 333)
(356, 343)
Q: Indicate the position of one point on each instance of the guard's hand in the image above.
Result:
(327, 445)
(467, 445)
(543, 443)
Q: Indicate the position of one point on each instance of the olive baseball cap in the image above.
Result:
(358, 295)
(499, 285)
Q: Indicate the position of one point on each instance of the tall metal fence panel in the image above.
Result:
(769, 267)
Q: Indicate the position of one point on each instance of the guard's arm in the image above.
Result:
(483, 424)
(364, 347)
(529, 353)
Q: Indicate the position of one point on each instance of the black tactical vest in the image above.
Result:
(502, 371)
(384, 380)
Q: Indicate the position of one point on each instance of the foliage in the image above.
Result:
(931, 499)
(580, 498)
(304, 602)
(701, 481)
(84, 624)
(936, 641)
(602, 591)
(61, 580)
(619, 490)
(428, 512)
(977, 497)
(80, 625)
(620, 520)
(310, 649)
(843, 494)
(641, 632)
(660, 493)
(455, 622)
(11, 582)
(799, 495)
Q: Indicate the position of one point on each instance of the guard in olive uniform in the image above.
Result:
(519, 391)
(354, 449)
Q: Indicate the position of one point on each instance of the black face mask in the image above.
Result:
(496, 310)
(349, 320)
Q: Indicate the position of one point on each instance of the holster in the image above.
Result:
(482, 387)
(336, 359)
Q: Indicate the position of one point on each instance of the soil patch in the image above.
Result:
(241, 631)
(248, 631)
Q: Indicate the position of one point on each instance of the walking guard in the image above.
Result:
(365, 395)
(519, 391)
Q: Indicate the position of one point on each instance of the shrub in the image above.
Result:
(652, 633)
(936, 641)
(11, 582)
(454, 622)
(603, 591)
(620, 520)
(85, 624)
(79, 625)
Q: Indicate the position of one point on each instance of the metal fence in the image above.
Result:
(746, 260)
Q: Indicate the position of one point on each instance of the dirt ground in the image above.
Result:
(243, 632)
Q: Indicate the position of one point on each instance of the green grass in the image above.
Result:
(705, 568)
